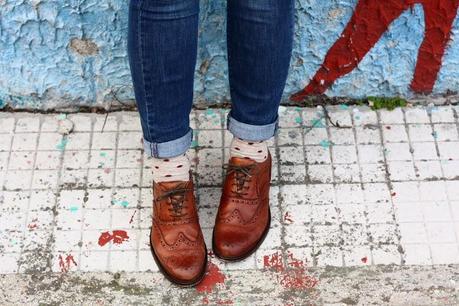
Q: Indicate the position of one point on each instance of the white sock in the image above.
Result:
(256, 150)
(171, 169)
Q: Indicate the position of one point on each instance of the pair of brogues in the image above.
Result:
(242, 221)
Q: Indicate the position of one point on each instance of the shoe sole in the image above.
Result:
(171, 278)
(251, 251)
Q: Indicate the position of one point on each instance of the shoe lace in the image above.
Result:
(242, 176)
(177, 200)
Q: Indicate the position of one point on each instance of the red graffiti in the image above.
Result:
(369, 22)
(118, 237)
(293, 278)
(213, 277)
(364, 259)
(65, 264)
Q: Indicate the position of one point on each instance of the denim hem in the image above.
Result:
(251, 132)
(168, 149)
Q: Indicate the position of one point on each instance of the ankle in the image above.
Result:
(171, 169)
(255, 150)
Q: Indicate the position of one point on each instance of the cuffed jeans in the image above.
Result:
(162, 47)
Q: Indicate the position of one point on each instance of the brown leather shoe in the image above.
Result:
(176, 238)
(244, 217)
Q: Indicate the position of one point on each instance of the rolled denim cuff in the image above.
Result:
(251, 132)
(169, 149)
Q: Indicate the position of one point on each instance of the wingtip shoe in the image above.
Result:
(243, 217)
(176, 238)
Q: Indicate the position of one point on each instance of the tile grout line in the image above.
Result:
(334, 184)
(416, 180)
(12, 133)
(30, 190)
(113, 191)
(83, 206)
(57, 194)
(139, 208)
(307, 182)
(365, 204)
(280, 201)
(390, 186)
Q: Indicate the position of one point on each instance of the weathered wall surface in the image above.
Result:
(58, 53)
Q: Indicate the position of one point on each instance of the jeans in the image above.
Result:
(162, 48)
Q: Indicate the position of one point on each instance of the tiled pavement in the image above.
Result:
(361, 189)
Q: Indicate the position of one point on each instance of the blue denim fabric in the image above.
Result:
(162, 47)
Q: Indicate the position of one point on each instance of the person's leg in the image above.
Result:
(162, 45)
(260, 34)
(162, 52)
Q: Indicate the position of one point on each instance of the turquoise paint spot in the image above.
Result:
(431, 108)
(357, 117)
(298, 120)
(435, 134)
(210, 112)
(344, 106)
(325, 144)
(103, 154)
(317, 123)
(61, 145)
(73, 209)
(62, 117)
(123, 203)
(194, 144)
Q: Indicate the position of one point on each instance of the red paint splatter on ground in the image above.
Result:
(225, 302)
(107, 170)
(388, 127)
(294, 262)
(371, 19)
(118, 237)
(213, 277)
(205, 300)
(297, 279)
(393, 194)
(274, 261)
(32, 226)
(293, 278)
(364, 259)
(65, 263)
(288, 218)
(132, 217)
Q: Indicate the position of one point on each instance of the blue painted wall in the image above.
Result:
(73, 53)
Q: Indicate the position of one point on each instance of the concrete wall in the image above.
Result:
(57, 53)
